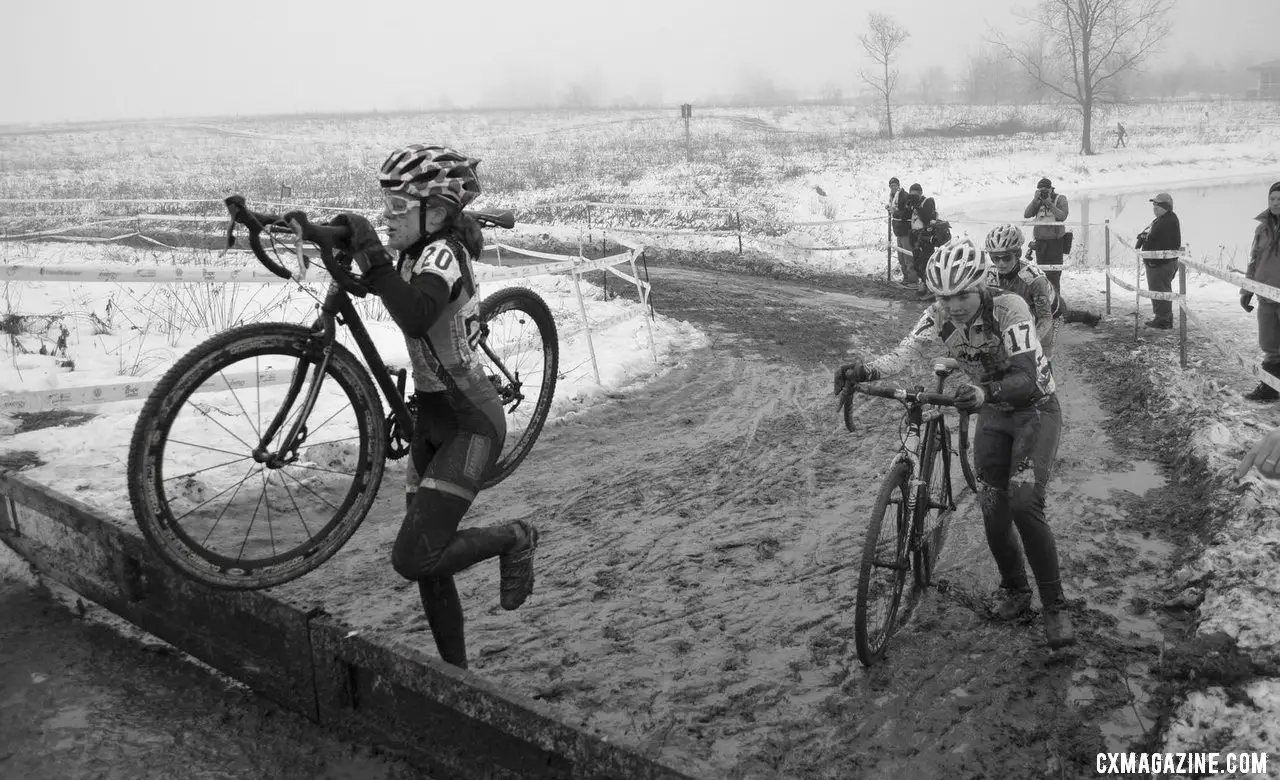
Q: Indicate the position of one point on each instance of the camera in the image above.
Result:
(1043, 192)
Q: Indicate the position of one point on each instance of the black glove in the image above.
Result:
(970, 398)
(363, 245)
(1140, 240)
(1246, 300)
(852, 373)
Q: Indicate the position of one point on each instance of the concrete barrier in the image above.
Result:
(450, 722)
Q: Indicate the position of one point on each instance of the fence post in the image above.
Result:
(1137, 293)
(1106, 258)
(888, 271)
(641, 292)
(1182, 314)
(644, 259)
(588, 222)
(604, 272)
(737, 218)
(586, 324)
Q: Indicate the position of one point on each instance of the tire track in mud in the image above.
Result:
(697, 573)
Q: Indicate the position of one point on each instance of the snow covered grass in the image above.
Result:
(777, 166)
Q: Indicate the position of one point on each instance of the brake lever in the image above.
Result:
(298, 225)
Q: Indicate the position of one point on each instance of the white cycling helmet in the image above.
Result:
(955, 267)
(1005, 238)
(1004, 246)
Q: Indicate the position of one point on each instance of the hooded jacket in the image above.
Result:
(1264, 254)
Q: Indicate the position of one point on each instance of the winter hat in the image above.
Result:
(1044, 183)
(1163, 199)
(917, 188)
(1274, 188)
(894, 180)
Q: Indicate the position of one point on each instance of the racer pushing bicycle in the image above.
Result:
(993, 336)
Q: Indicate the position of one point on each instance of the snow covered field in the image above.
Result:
(775, 166)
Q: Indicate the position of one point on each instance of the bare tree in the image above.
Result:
(1091, 43)
(881, 43)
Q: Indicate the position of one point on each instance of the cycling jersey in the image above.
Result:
(1027, 280)
(443, 360)
(1000, 351)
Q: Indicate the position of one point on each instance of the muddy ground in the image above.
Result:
(701, 537)
(81, 701)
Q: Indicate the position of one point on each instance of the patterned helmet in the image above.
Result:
(1005, 238)
(955, 267)
(422, 171)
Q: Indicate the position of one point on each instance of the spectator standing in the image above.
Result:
(1264, 268)
(900, 220)
(1048, 205)
(1163, 234)
(1120, 134)
(927, 234)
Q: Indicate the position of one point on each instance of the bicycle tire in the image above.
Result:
(152, 499)
(935, 488)
(520, 300)
(872, 631)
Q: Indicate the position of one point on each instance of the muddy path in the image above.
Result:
(81, 701)
(701, 538)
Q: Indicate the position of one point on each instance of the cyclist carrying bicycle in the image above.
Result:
(994, 338)
(1010, 272)
(430, 291)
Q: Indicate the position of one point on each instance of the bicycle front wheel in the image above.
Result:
(883, 572)
(215, 486)
(520, 353)
(934, 502)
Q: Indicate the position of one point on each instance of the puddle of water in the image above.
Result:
(873, 304)
(1214, 218)
(1144, 476)
(1126, 724)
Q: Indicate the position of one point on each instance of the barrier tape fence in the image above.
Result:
(576, 266)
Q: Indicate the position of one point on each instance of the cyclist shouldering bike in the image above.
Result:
(994, 338)
(430, 291)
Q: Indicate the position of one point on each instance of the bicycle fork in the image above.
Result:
(322, 343)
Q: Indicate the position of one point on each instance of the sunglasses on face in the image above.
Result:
(1002, 257)
(398, 205)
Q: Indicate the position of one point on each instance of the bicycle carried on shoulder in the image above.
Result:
(261, 451)
(913, 509)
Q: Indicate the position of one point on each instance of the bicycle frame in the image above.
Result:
(336, 309)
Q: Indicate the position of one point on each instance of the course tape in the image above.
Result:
(1236, 278)
(138, 390)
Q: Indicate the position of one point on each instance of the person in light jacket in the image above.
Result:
(1264, 268)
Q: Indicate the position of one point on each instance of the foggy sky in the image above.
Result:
(90, 60)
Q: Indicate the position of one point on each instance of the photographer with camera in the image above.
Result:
(1048, 205)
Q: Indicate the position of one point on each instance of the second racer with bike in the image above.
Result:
(429, 290)
(994, 338)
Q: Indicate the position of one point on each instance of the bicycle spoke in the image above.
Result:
(302, 518)
(223, 513)
(261, 498)
(267, 501)
(307, 488)
(256, 431)
(210, 449)
(213, 420)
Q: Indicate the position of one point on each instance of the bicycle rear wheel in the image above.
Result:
(226, 507)
(883, 572)
(934, 503)
(520, 354)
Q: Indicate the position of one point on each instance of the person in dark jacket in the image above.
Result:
(927, 233)
(900, 220)
(1264, 268)
(1164, 234)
